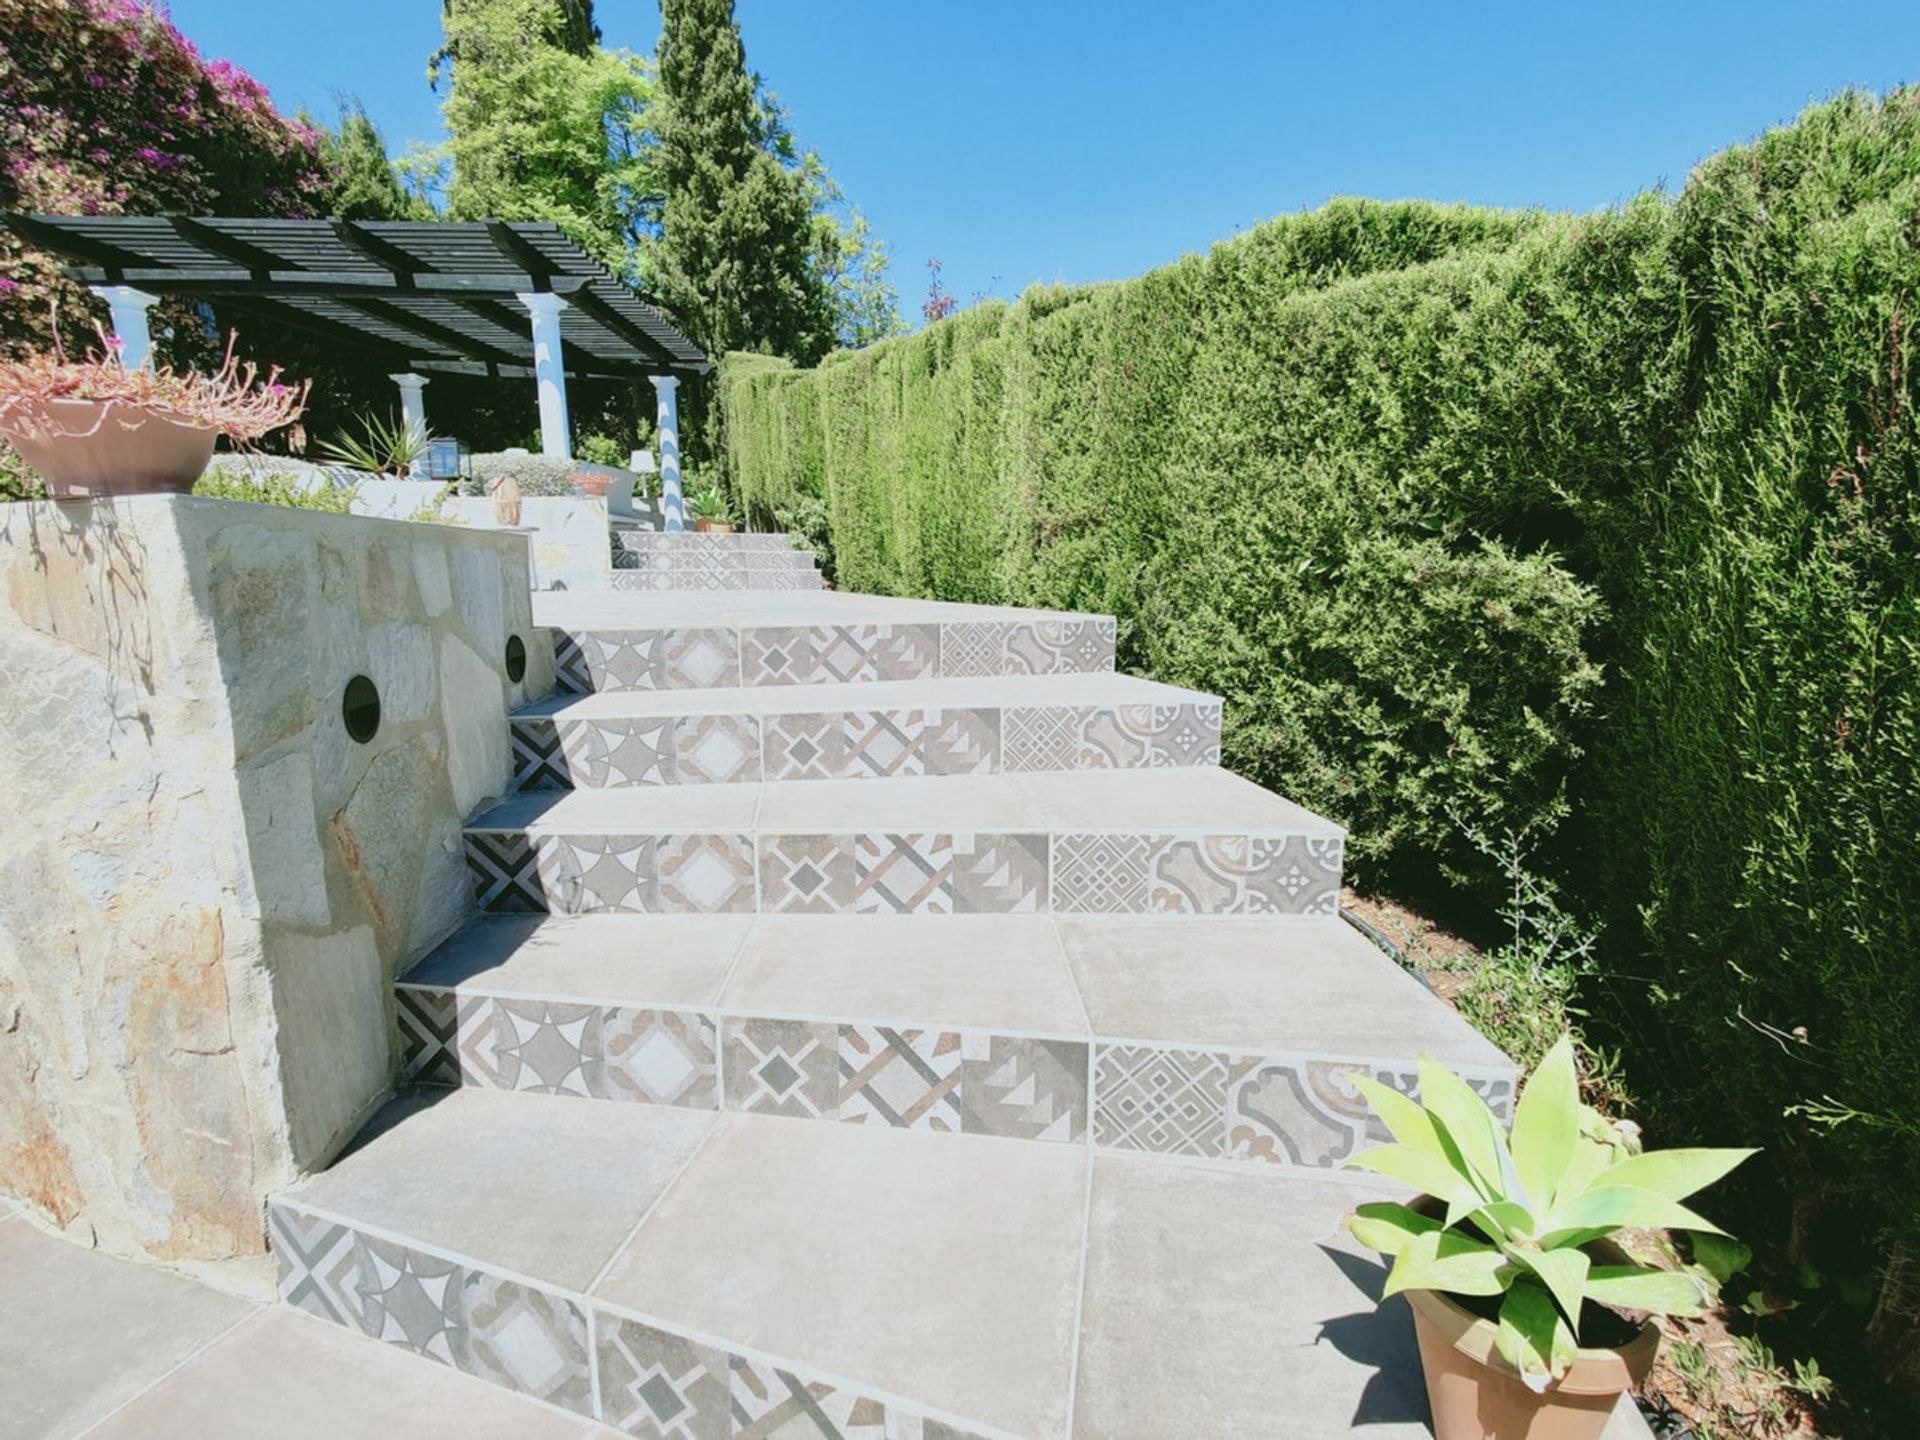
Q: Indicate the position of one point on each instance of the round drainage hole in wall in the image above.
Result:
(516, 659)
(360, 708)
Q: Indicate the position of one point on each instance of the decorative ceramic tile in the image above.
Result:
(505, 872)
(827, 654)
(646, 659)
(902, 874)
(782, 1067)
(1042, 737)
(769, 1402)
(661, 1386)
(1293, 1110)
(619, 752)
(547, 1048)
(1000, 874)
(1052, 647)
(1025, 1088)
(861, 743)
(1198, 875)
(592, 874)
(1140, 737)
(529, 1341)
(662, 1057)
(716, 749)
(427, 1027)
(1101, 874)
(413, 1300)
(907, 1079)
(317, 1265)
(704, 875)
(1171, 1102)
(477, 1041)
(539, 760)
(810, 874)
(1294, 875)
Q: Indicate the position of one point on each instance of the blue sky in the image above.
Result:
(1085, 141)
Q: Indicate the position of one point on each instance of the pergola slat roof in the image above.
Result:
(427, 295)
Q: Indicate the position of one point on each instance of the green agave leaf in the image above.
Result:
(1447, 1260)
(1546, 1123)
(1666, 1292)
(1565, 1275)
(1675, 1174)
(1720, 1256)
(1532, 1337)
(1608, 1207)
(1468, 1122)
(1387, 1227)
(1427, 1173)
(1590, 1160)
(1404, 1119)
(1503, 1220)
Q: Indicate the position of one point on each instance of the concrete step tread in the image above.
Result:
(635, 1264)
(1201, 800)
(1100, 688)
(1258, 985)
(580, 610)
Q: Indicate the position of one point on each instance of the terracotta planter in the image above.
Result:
(590, 482)
(97, 449)
(1476, 1395)
(713, 527)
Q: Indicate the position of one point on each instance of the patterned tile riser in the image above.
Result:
(696, 542)
(726, 580)
(626, 559)
(826, 654)
(544, 1343)
(1296, 1110)
(860, 744)
(884, 873)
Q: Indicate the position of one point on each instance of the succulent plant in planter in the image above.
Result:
(710, 511)
(94, 429)
(1531, 1322)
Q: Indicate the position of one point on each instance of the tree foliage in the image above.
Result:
(365, 184)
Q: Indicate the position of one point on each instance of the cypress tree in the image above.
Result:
(733, 261)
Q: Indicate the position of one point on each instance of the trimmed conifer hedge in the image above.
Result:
(1465, 511)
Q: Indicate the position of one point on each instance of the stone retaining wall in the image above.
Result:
(206, 884)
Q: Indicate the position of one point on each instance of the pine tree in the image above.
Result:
(733, 264)
(364, 184)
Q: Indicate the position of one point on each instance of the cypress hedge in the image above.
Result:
(1475, 518)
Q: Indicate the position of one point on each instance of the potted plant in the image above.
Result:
(1530, 1321)
(94, 429)
(710, 511)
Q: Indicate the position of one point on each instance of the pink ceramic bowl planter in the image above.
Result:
(96, 431)
(99, 449)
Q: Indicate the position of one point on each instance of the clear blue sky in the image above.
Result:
(1049, 140)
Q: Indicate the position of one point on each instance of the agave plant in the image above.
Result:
(383, 447)
(710, 504)
(1519, 1213)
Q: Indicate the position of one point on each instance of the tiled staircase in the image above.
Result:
(691, 560)
(884, 1021)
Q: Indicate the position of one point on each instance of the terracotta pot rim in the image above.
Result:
(1596, 1370)
(37, 408)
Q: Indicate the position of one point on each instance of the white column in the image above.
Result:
(129, 309)
(668, 421)
(413, 400)
(550, 374)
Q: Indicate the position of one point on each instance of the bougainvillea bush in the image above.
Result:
(107, 109)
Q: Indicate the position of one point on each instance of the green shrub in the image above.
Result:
(1461, 512)
(266, 487)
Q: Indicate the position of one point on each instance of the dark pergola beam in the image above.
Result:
(322, 328)
(517, 250)
(110, 260)
(201, 236)
(431, 330)
(384, 253)
(576, 360)
(650, 348)
(313, 282)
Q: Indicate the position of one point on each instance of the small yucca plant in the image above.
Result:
(1521, 1210)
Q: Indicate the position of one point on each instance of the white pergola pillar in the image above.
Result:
(550, 374)
(413, 400)
(672, 506)
(128, 308)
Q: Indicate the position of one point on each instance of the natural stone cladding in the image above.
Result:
(209, 885)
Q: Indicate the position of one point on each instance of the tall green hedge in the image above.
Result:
(1466, 511)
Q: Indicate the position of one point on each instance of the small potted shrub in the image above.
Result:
(94, 429)
(710, 511)
(384, 446)
(1531, 1322)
